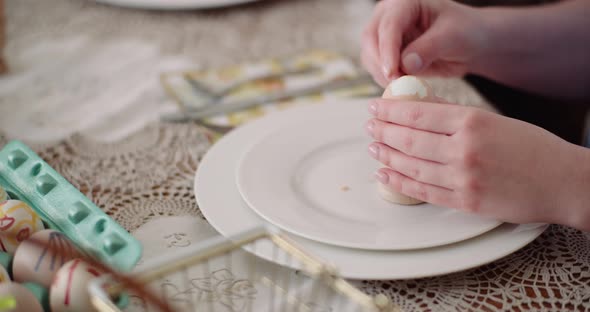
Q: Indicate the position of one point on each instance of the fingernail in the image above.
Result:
(412, 62)
(374, 151)
(373, 108)
(370, 126)
(386, 71)
(382, 177)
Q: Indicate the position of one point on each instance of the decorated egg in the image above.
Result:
(17, 222)
(3, 195)
(39, 258)
(69, 290)
(17, 298)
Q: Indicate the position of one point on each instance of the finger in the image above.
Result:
(440, 100)
(371, 63)
(390, 44)
(423, 51)
(433, 117)
(412, 142)
(370, 51)
(418, 169)
(422, 191)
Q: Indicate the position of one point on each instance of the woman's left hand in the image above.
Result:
(470, 159)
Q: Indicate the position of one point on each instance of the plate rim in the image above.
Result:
(514, 236)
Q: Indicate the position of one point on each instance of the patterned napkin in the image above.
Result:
(197, 89)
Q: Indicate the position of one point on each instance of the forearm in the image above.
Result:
(544, 50)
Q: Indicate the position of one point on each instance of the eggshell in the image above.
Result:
(69, 290)
(40, 262)
(17, 222)
(3, 195)
(405, 88)
(25, 300)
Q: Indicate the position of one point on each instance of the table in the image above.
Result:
(68, 56)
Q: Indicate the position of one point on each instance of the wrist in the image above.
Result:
(500, 43)
(482, 41)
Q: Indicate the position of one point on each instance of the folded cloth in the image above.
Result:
(199, 88)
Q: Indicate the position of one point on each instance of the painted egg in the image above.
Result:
(17, 298)
(3, 195)
(69, 289)
(18, 221)
(39, 258)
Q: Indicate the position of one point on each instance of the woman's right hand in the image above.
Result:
(426, 37)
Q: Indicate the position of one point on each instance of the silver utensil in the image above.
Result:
(217, 95)
(236, 105)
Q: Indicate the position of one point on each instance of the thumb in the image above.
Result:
(423, 51)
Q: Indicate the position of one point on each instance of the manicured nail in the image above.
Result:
(370, 126)
(412, 62)
(373, 108)
(382, 177)
(374, 151)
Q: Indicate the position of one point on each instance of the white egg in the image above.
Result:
(24, 300)
(409, 87)
(405, 88)
(3, 195)
(69, 289)
(39, 258)
(18, 221)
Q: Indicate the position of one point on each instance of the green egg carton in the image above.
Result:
(26, 177)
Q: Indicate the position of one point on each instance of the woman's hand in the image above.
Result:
(430, 37)
(473, 160)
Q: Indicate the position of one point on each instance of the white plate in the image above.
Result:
(174, 4)
(222, 205)
(313, 177)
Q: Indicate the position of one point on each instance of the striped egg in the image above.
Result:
(39, 258)
(69, 289)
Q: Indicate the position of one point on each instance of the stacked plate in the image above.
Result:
(306, 171)
(175, 4)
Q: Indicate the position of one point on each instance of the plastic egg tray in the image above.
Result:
(26, 177)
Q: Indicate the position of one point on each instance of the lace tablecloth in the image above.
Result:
(83, 91)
